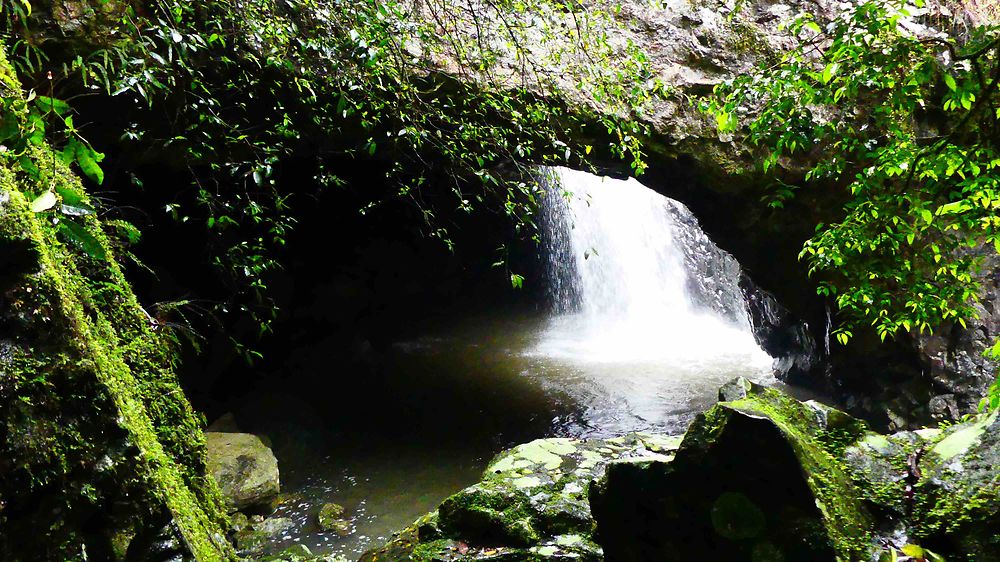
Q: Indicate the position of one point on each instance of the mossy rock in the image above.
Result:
(101, 450)
(761, 476)
(531, 504)
(244, 467)
(755, 477)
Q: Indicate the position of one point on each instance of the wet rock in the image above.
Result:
(301, 553)
(736, 474)
(331, 518)
(274, 526)
(244, 467)
(238, 521)
(290, 554)
(342, 527)
(765, 477)
(734, 390)
(329, 512)
(530, 505)
(259, 533)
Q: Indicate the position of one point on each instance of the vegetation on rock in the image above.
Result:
(530, 505)
(101, 449)
(762, 476)
(902, 116)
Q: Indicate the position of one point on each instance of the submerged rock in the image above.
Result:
(244, 467)
(530, 505)
(331, 518)
(301, 553)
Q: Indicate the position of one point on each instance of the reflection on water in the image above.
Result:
(425, 421)
(649, 322)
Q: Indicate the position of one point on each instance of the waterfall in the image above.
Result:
(632, 278)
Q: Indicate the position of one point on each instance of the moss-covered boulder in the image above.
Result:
(100, 451)
(530, 505)
(756, 478)
(763, 477)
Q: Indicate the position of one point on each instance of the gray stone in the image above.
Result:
(245, 469)
(274, 526)
(530, 505)
(734, 390)
(259, 533)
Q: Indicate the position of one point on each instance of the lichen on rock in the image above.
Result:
(531, 504)
(244, 467)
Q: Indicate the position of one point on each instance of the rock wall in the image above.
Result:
(101, 456)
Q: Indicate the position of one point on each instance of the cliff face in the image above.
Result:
(102, 457)
(692, 45)
(688, 47)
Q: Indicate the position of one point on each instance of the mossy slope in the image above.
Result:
(99, 448)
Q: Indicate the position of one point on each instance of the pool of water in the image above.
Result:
(423, 418)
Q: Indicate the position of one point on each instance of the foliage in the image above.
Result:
(910, 553)
(906, 118)
(452, 89)
(94, 414)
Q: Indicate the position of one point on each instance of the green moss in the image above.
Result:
(94, 381)
(817, 436)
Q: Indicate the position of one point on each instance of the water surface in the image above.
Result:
(647, 321)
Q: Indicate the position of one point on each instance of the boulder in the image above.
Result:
(530, 505)
(764, 477)
(753, 475)
(244, 467)
(260, 532)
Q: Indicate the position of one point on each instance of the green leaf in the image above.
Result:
(82, 238)
(43, 202)
(28, 165)
(45, 103)
(87, 158)
(949, 81)
(71, 195)
(830, 71)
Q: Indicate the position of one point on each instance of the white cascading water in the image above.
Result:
(647, 309)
